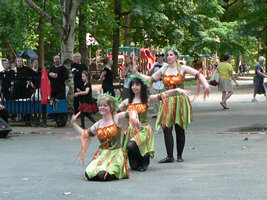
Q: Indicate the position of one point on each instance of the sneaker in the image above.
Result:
(253, 100)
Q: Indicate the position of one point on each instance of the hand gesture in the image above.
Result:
(236, 84)
(76, 94)
(183, 92)
(206, 91)
(74, 117)
(136, 123)
(78, 90)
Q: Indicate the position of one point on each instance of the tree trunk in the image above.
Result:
(127, 31)
(82, 38)
(41, 43)
(66, 32)
(116, 38)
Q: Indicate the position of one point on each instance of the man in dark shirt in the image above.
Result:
(77, 68)
(58, 74)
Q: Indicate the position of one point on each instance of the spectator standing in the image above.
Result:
(259, 87)
(37, 74)
(127, 72)
(77, 68)
(22, 85)
(7, 76)
(58, 74)
(157, 86)
(107, 77)
(226, 77)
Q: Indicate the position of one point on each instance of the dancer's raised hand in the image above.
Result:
(74, 117)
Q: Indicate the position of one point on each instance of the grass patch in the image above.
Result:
(252, 129)
(190, 83)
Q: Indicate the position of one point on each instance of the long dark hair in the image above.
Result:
(143, 95)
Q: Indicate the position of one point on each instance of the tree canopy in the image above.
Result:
(191, 25)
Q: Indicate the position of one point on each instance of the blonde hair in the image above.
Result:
(109, 101)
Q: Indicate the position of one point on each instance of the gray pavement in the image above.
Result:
(217, 166)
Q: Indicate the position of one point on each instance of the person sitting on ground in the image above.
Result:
(109, 162)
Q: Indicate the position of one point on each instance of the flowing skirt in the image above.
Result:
(175, 110)
(144, 139)
(112, 161)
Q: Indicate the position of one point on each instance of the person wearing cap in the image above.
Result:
(259, 87)
(158, 86)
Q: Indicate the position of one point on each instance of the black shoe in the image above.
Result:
(167, 160)
(142, 168)
(179, 159)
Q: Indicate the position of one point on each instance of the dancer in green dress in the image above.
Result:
(109, 162)
(175, 111)
(140, 144)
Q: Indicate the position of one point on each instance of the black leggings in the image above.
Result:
(136, 160)
(101, 177)
(180, 140)
(88, 116)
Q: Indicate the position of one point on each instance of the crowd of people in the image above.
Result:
(171, 105)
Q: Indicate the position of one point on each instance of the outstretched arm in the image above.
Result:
(190, 70)
(131, 115)
(155, 77)
(123, 105)
(157, 97)
(79, 129)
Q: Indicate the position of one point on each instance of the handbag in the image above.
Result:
(215, 78)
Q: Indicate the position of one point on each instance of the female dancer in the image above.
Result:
(175, 110)
(109, 162)
(140, 145)
(87, 105)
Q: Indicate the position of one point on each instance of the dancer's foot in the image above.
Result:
(167, 160)
(180, 159)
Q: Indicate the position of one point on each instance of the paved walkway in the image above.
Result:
(217, 166)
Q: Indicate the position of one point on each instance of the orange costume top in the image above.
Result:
(144, 138)
(172, 81)
(175, 109)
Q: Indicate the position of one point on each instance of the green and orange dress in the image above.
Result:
(110, 156)
(144, 138)
(175, 109)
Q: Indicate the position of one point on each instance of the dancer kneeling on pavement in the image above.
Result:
(109, 162)
(175, 111)
(140, 144)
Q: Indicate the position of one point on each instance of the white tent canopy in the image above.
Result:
(90, 40)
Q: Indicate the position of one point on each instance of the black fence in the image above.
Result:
(21, 95)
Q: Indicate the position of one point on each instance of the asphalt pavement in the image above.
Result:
(225, 157)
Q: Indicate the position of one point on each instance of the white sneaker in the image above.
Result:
(253, 100)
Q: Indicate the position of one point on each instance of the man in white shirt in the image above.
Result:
(158, 86)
